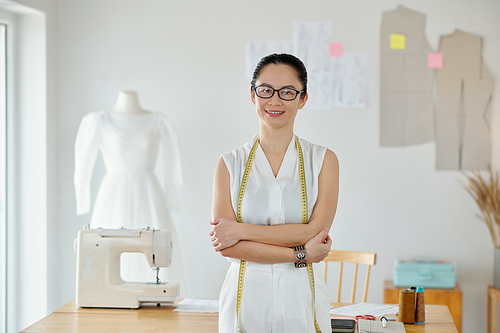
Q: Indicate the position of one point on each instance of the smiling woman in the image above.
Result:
(283, 190)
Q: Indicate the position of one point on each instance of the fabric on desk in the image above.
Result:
(276, 297)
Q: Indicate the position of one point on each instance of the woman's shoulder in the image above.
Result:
(319, 154)
(312, 148)
(331, 159)
(242, 151)
(236, 158)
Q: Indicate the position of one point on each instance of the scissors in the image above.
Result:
(365, 317)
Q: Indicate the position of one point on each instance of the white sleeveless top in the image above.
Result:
(276, 297)
(273, 200)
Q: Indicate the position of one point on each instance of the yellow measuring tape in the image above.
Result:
(303, 192)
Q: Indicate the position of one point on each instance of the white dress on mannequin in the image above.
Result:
(133, 145)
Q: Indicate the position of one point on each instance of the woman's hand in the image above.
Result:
(318, 247)
(224, 233)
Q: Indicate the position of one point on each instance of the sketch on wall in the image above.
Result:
(348, 77)
(335, 79)
(343, 86)
(406, 83)
(257, 50)
(463, 105)
(311, 43)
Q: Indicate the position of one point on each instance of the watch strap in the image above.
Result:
(300, 254)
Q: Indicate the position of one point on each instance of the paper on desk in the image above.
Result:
(197, 305)
(365, 309)
(376, 326)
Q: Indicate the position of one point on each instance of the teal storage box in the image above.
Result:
(427, 273)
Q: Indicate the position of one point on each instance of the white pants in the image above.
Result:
(276, 298)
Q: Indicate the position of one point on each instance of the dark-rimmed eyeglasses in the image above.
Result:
(286, 94)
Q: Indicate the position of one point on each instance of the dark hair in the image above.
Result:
(282, 59)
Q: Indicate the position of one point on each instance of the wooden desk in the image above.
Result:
(449, 297)
(493, 300)
(151, 318)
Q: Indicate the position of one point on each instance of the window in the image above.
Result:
(3, 136)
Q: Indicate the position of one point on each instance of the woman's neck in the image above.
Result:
(128, 103)
(276, 141)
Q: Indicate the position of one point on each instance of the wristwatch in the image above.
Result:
(300, 254)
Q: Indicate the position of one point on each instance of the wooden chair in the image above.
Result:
(363, 258)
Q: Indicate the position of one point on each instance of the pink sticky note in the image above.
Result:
(435, 60)
(336, 49)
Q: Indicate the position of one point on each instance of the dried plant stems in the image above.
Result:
(487, 196)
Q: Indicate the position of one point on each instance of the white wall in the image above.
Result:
(392, 200)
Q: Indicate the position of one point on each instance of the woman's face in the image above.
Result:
(275, 112)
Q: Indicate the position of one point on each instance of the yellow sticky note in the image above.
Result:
(398, 42)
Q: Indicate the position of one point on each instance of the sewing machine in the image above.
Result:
(98, 280)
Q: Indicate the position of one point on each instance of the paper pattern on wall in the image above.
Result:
(348, 77)
(406, 83)
(257, 50)
(342, 86)
(336, 79)
(463, 105)
(311, 43)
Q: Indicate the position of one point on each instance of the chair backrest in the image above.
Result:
(363, 258)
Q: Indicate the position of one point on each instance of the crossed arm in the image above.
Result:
(273, 244)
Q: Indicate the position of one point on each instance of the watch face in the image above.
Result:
(301, 255)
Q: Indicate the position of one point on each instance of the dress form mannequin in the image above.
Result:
(128, 103)
(143, 180)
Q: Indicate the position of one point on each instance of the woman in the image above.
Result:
(286, 200)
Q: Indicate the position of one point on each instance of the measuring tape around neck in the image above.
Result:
(303, 192)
